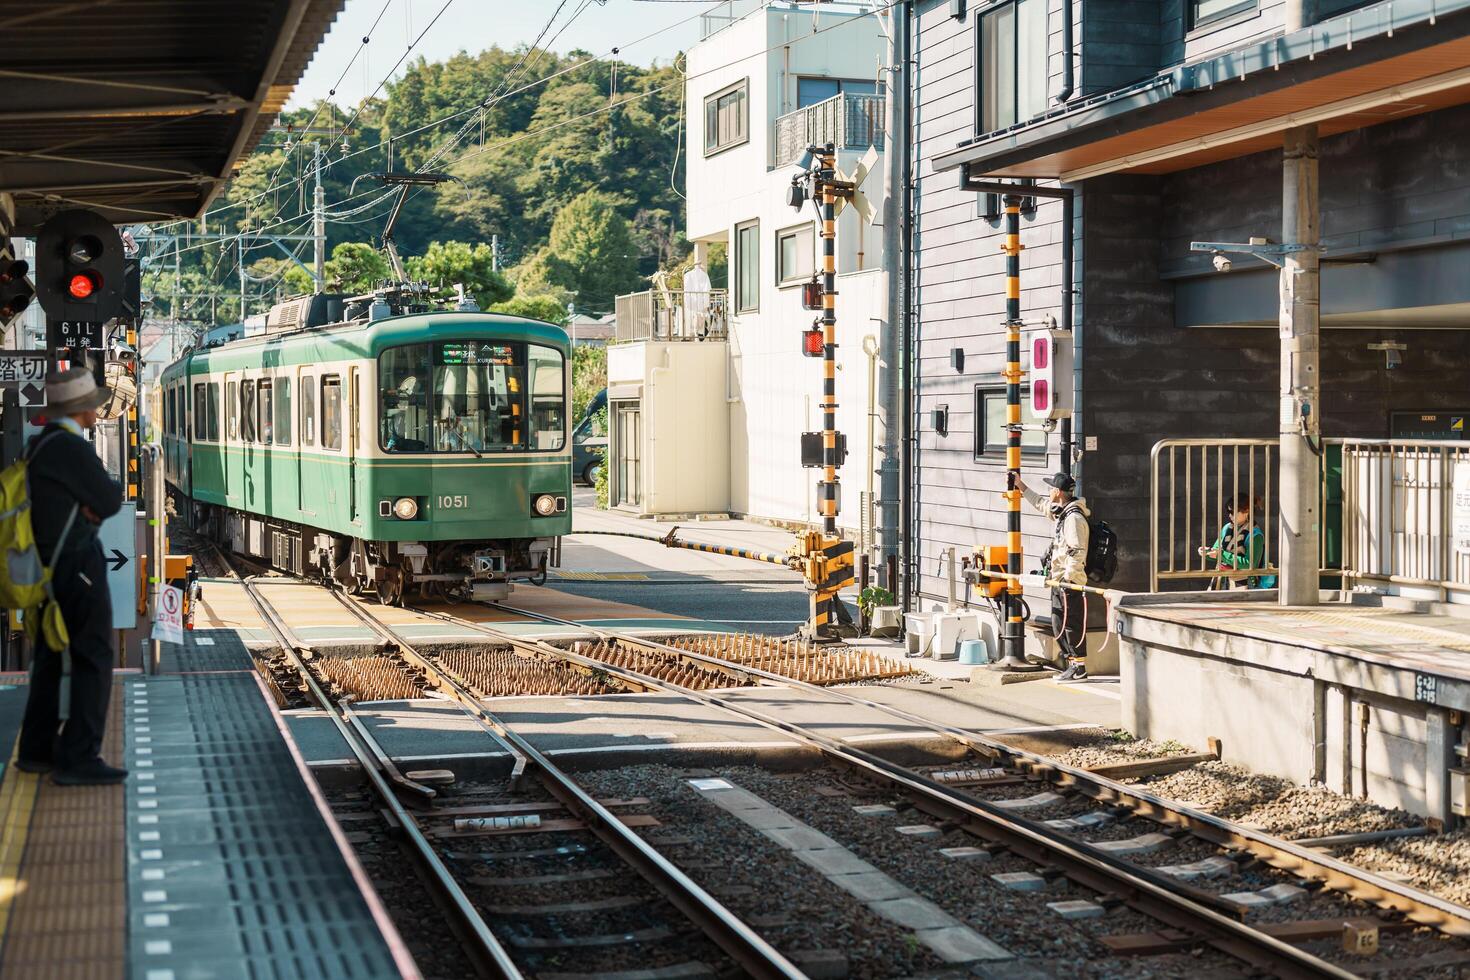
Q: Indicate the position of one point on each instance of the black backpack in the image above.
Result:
(1102, 549)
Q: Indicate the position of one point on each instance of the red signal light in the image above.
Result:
(813, 344)
(82, 285)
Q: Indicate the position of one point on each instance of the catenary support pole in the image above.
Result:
(890, 348)
(1301, 426)
(319, 224)
(1013, 637)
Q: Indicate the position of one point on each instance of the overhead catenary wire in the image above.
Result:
(521, 137)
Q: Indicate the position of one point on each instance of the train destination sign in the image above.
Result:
(476, 352)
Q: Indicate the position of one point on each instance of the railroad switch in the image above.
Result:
(827, 565)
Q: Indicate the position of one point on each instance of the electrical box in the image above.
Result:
(1051, 374)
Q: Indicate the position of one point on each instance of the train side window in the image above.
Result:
(201, 411)
(283, 411)
(266, 425)
(547, 372)
(213, 411)
(308, 410)
(247, 410)
(331, 412)
(232, 410)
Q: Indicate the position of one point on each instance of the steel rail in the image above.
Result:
(1415, 904)
(1144, 889)
(485, 950)
(745, 946)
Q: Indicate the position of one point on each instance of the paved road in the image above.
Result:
(740, 594)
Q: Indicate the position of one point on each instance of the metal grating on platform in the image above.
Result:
(205, 650)
(231, 870)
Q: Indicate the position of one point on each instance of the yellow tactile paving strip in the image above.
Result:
(65, 916)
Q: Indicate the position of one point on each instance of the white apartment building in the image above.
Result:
(765, 81)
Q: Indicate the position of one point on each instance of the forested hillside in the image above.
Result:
(574, 163)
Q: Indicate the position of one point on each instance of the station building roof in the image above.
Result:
(141, 109)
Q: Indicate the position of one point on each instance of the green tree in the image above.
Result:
(359, 267)
(591, 251)
(589, 376)
(446, 263)
(541, 307)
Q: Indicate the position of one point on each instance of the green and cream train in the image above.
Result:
(428, 451)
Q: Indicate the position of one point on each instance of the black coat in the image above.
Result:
(64, 473)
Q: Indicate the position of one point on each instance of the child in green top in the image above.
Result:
(1241, 544)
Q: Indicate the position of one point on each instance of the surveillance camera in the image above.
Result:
(125, 352)
(1222, 262)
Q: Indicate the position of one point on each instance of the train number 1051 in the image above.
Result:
(457, 501)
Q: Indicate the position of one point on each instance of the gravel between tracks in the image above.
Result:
(1439, 864)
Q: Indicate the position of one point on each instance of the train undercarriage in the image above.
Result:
(450, 571)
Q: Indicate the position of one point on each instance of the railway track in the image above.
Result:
(1074, 830)
(422, 826)
(1174, 894)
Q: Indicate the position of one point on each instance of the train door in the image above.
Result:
(354, 442)
(302, 384)
(232, 458)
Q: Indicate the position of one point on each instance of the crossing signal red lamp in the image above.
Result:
(813, 343)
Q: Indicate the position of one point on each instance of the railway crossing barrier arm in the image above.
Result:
(670, 541)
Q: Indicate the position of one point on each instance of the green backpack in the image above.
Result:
(25, 582)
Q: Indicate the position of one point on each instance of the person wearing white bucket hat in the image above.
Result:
(71, 495)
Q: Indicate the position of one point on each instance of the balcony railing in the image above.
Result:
(848, 121)
(671, 315)
(722, 15)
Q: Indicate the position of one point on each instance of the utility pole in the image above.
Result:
(240, 243)
(890, 354)
(495, 252)
(319, 222)
(1013, 636)
(1301, 389)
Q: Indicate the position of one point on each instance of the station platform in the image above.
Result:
(213, 860)
(1366, 694)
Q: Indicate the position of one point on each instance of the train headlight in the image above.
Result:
(545, 505)
(405, 508)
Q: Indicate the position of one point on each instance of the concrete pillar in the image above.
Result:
(1301, 429)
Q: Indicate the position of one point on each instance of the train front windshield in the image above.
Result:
(472, 396)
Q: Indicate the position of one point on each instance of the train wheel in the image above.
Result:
(390, 588)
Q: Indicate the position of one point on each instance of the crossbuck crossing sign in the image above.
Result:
(168, 618)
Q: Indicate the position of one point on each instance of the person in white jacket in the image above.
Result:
(1066, 561)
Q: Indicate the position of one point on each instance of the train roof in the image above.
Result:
(363, 339)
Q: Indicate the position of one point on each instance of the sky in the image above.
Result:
(473, 25)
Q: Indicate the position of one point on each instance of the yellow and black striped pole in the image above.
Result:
(131, 450)
(1013, 634)
(828, 489)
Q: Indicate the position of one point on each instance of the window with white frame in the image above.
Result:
(1013, 64)
(795, 257)
(747, 267)
(727, 117)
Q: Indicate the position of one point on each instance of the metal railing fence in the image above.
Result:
(1395, 512)
(1192, 481)
(849, 121)
(671, 315)
(1406, 513)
